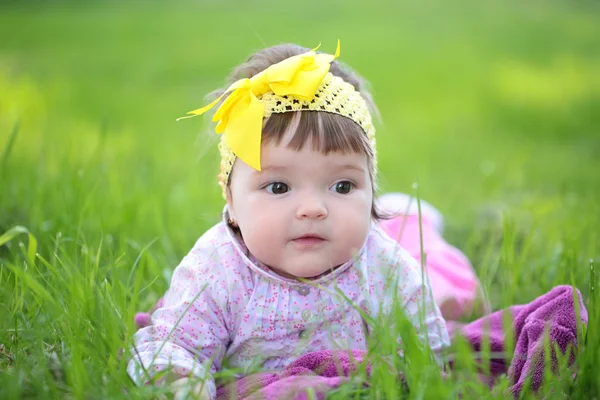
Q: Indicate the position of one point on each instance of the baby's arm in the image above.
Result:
(188, 334)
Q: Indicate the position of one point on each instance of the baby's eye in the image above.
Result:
(343, 187)
(277, 188)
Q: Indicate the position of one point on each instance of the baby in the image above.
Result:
(300, 253)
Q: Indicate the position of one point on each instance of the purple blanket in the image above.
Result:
(326, 370)
(320, 371)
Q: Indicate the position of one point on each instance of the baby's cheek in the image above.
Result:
(262, 242)
(355, 231)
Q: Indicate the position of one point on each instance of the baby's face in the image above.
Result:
(305, 212)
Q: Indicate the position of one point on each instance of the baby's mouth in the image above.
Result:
(308, 241)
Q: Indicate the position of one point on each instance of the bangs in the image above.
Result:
(327, 132)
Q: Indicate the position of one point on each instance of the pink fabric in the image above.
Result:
(223, 320)
(224, 305)
(554, 313)
(319, 372)
(453, 281)
(454, 285)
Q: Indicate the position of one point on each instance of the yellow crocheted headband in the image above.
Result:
(298, 83)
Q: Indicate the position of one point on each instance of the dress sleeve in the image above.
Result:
(419, 305)
(398, 281)
(189, 333)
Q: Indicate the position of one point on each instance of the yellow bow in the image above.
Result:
(241, 114)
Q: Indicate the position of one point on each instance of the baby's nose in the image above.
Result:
(312, 207)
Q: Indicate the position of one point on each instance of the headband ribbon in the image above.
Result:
(241, 114)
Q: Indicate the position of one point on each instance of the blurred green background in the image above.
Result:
(492, 107)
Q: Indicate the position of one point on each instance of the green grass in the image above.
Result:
(492, 107)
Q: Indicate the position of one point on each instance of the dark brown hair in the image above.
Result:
(327, 132)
